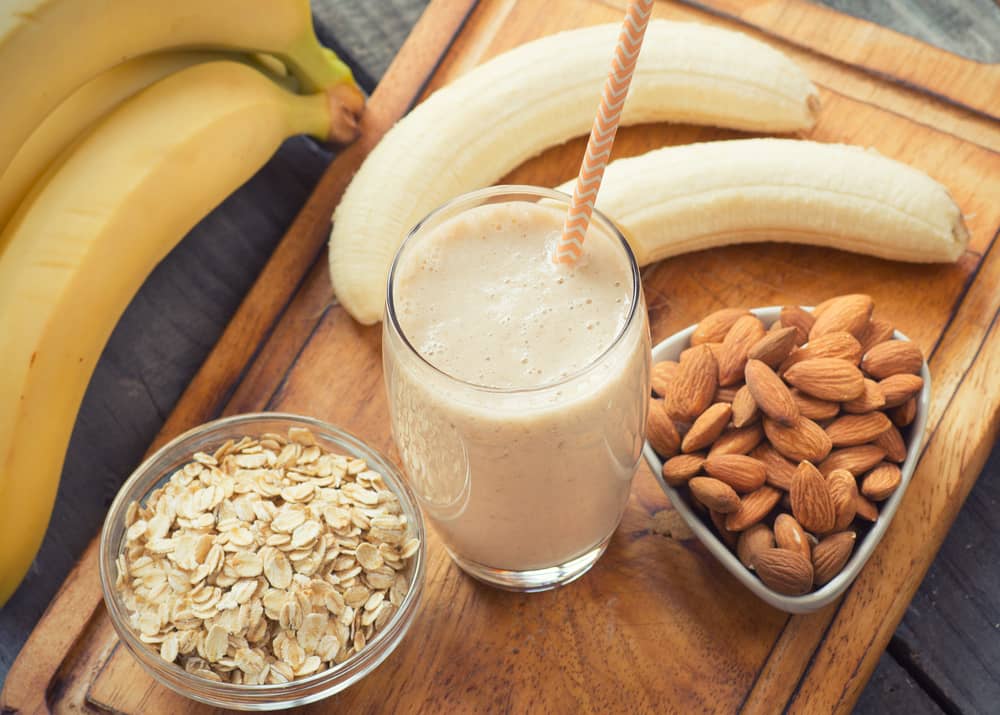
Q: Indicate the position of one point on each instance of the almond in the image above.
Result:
(746, 331)
(727, 394)
(713, 327)
(847, 313)
(785, 571)
(892, 442)
(867, 510)
(892, 357)
(880, 483)
(774, 347)
(852, 430)
(742, 473)
(752, 541)
(770, 393)
(694, 385)
(833, 345)
(753, 508)
(871, 399)
(877, 331)
(844, 494)
(833, 379)
(737, 441)
(709, 425)
(779, 471)
(805, 440)
(729, 538)
(677, 470)
(811, 503)
(662, 374)
(789, 534)
(855, 460)
(744, 408)
(802, 320)
(897, 389)
(716, 495)
(830, 555)
(660, 430)
(904, 414)
(813, 407)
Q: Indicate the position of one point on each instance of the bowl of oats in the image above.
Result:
(263, 561)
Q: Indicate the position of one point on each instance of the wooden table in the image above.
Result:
(942, 656)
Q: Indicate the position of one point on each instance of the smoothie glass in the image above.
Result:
(525, 486)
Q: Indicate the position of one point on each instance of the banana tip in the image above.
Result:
(347, 103)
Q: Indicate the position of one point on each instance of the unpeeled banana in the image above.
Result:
(48, 48)
(687, 198)
(86, 237)
(470, 133)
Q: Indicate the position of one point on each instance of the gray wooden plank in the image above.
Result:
(891, 691)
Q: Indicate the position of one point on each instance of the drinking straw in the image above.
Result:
(602, 133)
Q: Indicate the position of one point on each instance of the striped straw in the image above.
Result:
(602, 134)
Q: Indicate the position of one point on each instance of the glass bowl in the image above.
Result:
(155, 472)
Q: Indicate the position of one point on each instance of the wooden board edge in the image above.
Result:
(27, 684)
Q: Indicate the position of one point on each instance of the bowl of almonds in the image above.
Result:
(786, 438)
(262, 561)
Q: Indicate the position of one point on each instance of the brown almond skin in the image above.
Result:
(852, 430)
(785, 571)
(802, 320)
(805, 440)
(679, 469)
(716, 495)
(727, 394)
(742, 473)
(847, 313)
(753, 508)
(789, 534)
(751, 542)
(737, 441)
(881, 482)
(694, 385)
(707, 428)
(897, 389)
(811, 503)
(866, 510)
(832, 379)
(831, 554)
(660, 430)
(774, 347)
(877, 331)
(833, 345)
(844, 494)
(745, 410)
(779, 471)
(714, 326)
(813, 407)
(870, 400)
(770, 393)
(892, 442)
(729, 538)
(856, 460)
(662, 374)
(892, 357)
(733, 357)
(904, 414)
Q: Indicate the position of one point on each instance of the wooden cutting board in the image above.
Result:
(657, 625)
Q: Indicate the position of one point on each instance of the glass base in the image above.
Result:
(534, 580)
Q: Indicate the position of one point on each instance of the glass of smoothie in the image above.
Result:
(517, 388)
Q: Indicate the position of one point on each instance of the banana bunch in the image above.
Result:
(104, 172)
(472, 132)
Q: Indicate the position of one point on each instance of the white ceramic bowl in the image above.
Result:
(670, 349)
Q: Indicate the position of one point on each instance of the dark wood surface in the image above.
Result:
(944, 656)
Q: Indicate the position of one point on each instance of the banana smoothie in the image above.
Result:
(517, 388)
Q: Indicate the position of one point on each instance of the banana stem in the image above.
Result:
(330, 116)
(317, 68)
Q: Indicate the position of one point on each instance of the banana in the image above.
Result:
(470, 133)
(688, 198)
(86, 237)
(49, 48)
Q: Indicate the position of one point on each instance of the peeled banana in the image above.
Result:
(48, 48)
(470, 133)
(86, 237)
(687, 198)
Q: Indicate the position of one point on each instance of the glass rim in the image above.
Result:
(512, 190)
(107, 555)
